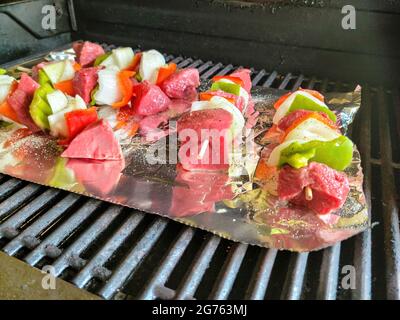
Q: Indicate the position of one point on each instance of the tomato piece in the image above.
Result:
(78, 120)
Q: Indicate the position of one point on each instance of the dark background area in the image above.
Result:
(288, 35)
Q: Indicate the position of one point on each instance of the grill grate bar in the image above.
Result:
(204, 66)
(197, 269)
(177, 60)
(106, 252)
(329, 273)
(17, 199)
(195, 64)
(261, 279)
(258, 77)
(390, 209)
(285, 81)
(133, 259)
(298, 82)
(270, 79)
(162, 274)
(229, 271)
(24, 238)
(185, 62)
(48, 247)
(71, 256)
(225, 70)
(9, 186)
(295, 278)
(213, 70)
(16, 220)
(362, 252)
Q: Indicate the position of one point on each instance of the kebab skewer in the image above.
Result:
(312, 153)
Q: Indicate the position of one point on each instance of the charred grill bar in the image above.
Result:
(120, 253)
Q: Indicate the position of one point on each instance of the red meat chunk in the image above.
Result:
(329, 187)
(27, 84)
(96, 142)
(182, 84)
(244, 75)
(149, 99)
(21, 98)
(84, 82)
(197, 192)
(35, 70)
(98, 177)
(87, 52)
(215, 150)
(286, 122)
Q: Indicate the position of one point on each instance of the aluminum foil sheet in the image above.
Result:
(231, 206)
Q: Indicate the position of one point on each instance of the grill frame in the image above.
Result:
(129, 240)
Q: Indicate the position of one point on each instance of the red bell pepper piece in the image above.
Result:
(126, 85)
(78, 120)
(165, 72)
(134, 66)
(206, 96)
(281, 100)
(5, 108)
(236, 80)
(314, 93)
(66, 87)
(77, 66)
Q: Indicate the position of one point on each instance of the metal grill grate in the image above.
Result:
(120, 253)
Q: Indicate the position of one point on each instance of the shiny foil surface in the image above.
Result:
(233, 207)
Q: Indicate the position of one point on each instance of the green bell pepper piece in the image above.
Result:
(138, 77)
(62, 176)
(101, 58)
(39, 108)
(92, 99)
(4, 124)
(233, 88)
(2, 71)
(302, 102)
(43, 78)
(337, 153)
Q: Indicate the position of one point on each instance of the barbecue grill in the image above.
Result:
(120, 253)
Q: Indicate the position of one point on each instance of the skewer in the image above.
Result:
(23, 69)
(203, 149)
(308, 193)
